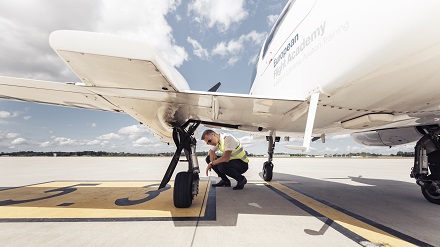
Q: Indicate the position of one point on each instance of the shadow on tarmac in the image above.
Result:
(367, 195)
(393, 206)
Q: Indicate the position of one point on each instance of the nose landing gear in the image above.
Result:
(268, 166)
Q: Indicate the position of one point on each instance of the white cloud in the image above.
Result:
(144, 20)
(11, 135)
(232, 61)
(110, 136)
(93, 125)
(221, 13)
(199, 51)
(338, 137)
(235, 47)
(92, 143)
(255, 37)
(271, 19)
(133, 131)
(4, 114)
(63, 141)
(45, 144)
(25, 35)
(19, 141)
(142, 142)
(246, 139)
(332, 150)
(27, 117)
(4, 135)
(231, 47)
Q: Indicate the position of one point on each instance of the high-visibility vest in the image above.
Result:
(237, 154)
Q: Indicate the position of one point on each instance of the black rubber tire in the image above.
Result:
(430, 195)
(182, 194)
(267, 171)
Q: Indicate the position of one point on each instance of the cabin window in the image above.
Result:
(276, 27)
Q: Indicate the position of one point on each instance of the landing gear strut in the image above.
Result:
(186, 185)
(268, 166)
(426, 168)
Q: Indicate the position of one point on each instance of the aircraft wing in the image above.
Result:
(161, 110)
(123, 75)
(62, 94)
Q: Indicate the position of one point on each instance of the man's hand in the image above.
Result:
(208, 168)
(212, 156)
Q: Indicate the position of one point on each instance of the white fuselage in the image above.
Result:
(362, 56)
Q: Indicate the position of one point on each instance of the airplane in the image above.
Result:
(368, 68)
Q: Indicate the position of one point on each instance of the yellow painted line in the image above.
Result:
(204, 193)
(95, 199)
(369, 232)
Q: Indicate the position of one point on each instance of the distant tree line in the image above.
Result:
(404, 154)
(169, 154)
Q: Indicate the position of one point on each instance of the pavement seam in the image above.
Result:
(201, 209)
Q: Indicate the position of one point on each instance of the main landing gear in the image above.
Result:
(268, 166)
(186, 184)
(426, 168)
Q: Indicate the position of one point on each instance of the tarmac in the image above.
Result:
(91, 201)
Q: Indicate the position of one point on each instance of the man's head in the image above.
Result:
(210, 137)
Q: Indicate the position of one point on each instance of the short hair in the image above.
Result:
(207, 133)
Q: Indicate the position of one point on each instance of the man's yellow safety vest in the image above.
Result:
(237, 154)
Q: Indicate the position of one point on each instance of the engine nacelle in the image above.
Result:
(387, 137)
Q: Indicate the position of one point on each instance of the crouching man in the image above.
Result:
(233, 163)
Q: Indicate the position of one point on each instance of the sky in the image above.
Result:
(207, 41)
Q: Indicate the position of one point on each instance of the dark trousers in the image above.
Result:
(232, 168)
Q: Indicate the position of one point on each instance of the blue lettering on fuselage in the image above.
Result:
(293, 49)
(285, 50)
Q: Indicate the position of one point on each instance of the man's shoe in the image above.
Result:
(222, 183)
(240, 184)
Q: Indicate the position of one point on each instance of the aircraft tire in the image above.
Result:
(267, 171)
(431, 195)
(182, 194)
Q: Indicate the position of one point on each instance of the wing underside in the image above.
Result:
(62, 94)
(161, 110)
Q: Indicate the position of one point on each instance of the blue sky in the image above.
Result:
(207, 42)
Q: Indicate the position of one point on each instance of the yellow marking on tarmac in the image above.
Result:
(94, 199)
(369, 232)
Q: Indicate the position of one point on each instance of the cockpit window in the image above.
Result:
(276, 27)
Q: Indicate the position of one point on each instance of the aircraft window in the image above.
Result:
(276, 27)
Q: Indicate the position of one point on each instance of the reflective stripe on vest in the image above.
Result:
(236, 154)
